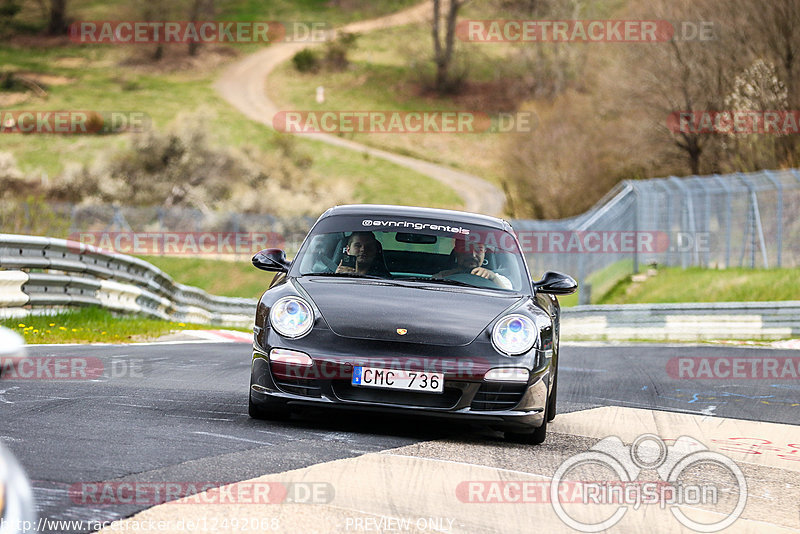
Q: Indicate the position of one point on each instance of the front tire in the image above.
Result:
(551, 404)
(268, 412)
(536, 437)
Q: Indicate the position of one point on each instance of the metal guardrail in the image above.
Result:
(42, 272)
(682, 322)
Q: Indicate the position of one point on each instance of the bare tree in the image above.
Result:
(197, 10)
(771, 31)
(155, 11)
(443, 45)
(683, 76)
(57, 23)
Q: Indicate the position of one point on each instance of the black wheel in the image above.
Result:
(532, 438)
(551, 404)
(270, 412)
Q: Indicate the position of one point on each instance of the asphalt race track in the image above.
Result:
(178, 412)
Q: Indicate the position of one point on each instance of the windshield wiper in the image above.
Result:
(347, 275)
(443, 281)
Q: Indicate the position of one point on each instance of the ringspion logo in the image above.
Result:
(689, 476)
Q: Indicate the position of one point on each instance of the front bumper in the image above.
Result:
(504, 405)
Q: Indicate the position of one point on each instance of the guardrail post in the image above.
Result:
(728, 210)
(687, 214)
(636, 206)
(583, 296)
(668, 213)
(706, 222)
(779, 187)
(754, 218)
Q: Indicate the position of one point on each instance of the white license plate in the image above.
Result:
(398, 379)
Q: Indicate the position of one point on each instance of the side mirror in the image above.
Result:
(556, 284)
(272, 259)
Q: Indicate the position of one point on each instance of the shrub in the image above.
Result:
(184, 167)
(306, 61)
(336, 51)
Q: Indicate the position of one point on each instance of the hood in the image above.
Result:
(436, 315)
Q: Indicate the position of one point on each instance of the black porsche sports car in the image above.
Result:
(396, 308)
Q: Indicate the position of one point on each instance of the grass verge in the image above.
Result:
(601, 283)
(674, 284)
(93, 325)
(218, 277)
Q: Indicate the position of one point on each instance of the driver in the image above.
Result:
(469, 260)
(369, 255)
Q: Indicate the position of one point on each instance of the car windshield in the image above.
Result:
(430, 251)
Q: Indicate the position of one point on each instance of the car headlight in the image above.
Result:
(514, 334)
(291, 317)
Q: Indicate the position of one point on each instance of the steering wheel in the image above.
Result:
(472, 279)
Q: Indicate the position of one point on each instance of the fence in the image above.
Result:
(721, 221)
(742, 219)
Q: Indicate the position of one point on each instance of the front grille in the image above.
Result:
(346, 391)
(497, 396)
(299, 386)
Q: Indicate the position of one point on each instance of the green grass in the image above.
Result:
(386, 74)
(602, 282)
(308, 10)
(218, 277)
(705, 285)
(93, 325)
(233, 10)
(97, 79)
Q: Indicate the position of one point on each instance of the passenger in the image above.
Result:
(469, 259)
(369, 255)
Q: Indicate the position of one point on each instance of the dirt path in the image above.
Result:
(244, 85)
